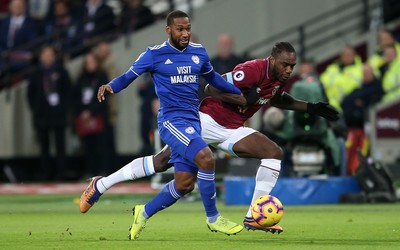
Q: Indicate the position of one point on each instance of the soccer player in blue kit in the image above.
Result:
(175, 66)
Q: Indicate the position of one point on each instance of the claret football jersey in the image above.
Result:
(244, 76)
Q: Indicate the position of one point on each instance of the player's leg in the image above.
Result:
(248, 143)
(204, 159)
(136, 169)
(257, 145)
(182, 184)
(182, 139)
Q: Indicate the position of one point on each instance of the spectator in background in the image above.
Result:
(385, 39)
(148, 121)
(104, 56)
(307, 73)
(342, 76)
(90, 116)
(48, 92)
(64, 30)
(390, 74)
(355, 107)
(225, 60)
(135, 16)
(4, 8)
(18, 33)
(98, 20)
(39, 11)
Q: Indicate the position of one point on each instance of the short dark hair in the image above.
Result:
(279, 47)
(175, 14)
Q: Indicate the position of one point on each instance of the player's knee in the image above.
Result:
(205, 160)
(185, 187)
(276, 153)
(161, 164)
(160, 160)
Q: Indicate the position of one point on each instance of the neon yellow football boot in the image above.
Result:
(139, 222)
(225, 226)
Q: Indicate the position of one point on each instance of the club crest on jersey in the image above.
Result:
(274, 90)
(238, 75)
(195, 59)
(189, 130)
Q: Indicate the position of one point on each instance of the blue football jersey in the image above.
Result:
(176, 77)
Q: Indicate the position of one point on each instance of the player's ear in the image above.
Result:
(168, 29)
(272, 60)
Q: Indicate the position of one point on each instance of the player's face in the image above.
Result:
(179, 32)
(282, 66)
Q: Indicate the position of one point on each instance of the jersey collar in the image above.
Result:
(170, 45)
(268, 68)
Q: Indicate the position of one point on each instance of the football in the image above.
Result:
(267, 210)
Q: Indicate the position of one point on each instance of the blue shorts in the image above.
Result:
(185, 142)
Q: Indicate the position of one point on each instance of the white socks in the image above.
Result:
(266, 178)
(136, 169)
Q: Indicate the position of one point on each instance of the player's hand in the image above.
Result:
(243, 109)
(252, 95)
(102, 90)
(323, 109)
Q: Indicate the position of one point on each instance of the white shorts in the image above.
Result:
(220, 137)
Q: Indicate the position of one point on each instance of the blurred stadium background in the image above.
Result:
(318, 30)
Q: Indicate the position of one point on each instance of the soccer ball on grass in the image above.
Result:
(267, 210)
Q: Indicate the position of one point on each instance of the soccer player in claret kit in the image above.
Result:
(175, 66)
(223, 115)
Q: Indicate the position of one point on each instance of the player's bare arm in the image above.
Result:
(286, 101)
(102, 90)
(225, 97)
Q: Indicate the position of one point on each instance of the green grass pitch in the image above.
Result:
(54, 222)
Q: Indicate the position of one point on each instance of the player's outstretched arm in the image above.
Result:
(286, 101)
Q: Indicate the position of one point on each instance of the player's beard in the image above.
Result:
(176, 44)
(276, 76)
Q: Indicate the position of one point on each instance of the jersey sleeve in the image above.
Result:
(244, 76)
(206, 67)
(143, 64)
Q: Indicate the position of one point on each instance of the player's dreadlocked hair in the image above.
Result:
(279, 47)
(175, 14)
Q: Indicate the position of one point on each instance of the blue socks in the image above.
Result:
(169, 195)
(206, 183)
(165, 198)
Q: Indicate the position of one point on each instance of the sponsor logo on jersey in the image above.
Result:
(196, 59)
(168, 61)
(181, 78)
(189, 130)
(263, 101)
(238, 75)
(184, 69)
(184, 79)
